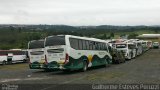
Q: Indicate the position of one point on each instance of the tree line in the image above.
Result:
(18, 36)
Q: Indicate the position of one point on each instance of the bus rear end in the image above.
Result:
(37, 54)
(3, 57)
(122, 47)
(56, 55)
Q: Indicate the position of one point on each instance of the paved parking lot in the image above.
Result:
(142, 69)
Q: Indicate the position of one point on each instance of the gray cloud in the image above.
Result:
(80, 12)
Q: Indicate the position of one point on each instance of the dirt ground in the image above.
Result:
(144, 69)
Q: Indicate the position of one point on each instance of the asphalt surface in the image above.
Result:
(144, 69)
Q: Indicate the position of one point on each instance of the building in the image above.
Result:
(152, 37)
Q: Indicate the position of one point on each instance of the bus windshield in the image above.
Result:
(36, 44)
(121, 45)
(131, 46)
(55, 40)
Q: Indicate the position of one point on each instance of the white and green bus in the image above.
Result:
(36, 52)
(67, 52)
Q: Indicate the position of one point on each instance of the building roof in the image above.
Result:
(149, 36)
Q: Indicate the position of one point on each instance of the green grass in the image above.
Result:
(20, 66)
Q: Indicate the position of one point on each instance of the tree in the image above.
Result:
(19, 29)
(132, 36)
(112, 35)
(12, 28)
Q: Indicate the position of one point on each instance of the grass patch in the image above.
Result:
(14, 67)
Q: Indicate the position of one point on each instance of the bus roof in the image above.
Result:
(86, 38)
(79, 37)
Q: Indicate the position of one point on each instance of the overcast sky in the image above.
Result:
(80, 12)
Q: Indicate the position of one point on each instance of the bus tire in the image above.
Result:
(118, 61)
(107, 62)
(9, 62)
(24, 60)
(85, 66)
(4, 62)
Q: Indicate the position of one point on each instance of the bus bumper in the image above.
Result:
(53, 65)
(61, 66)
(37, 66)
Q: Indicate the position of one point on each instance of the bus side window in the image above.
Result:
(84, 44)
(96, 46)
(103, 46)
(80, 44)
(87, 45)
(91, 45)
(74, 43)
(99, 46)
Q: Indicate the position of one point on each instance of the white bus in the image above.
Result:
(129, 49)
(139, 47)
(67, 52)
(36, 54)
(12, 56)
(3, 57)
(144, 45)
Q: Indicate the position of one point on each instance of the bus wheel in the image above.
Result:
(84, 66)
(24, 60)
(118, 61)
(4, 62)
(106, 63)
(9, 62)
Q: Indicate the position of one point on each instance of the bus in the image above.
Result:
(139, 47)
(156, 45)
(129, 49)
(12, 56)
(68, 52)
(144, 45)
(3, 57)
(149, 44)
(36, 52)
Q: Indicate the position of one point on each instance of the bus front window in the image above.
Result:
(121, 45)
